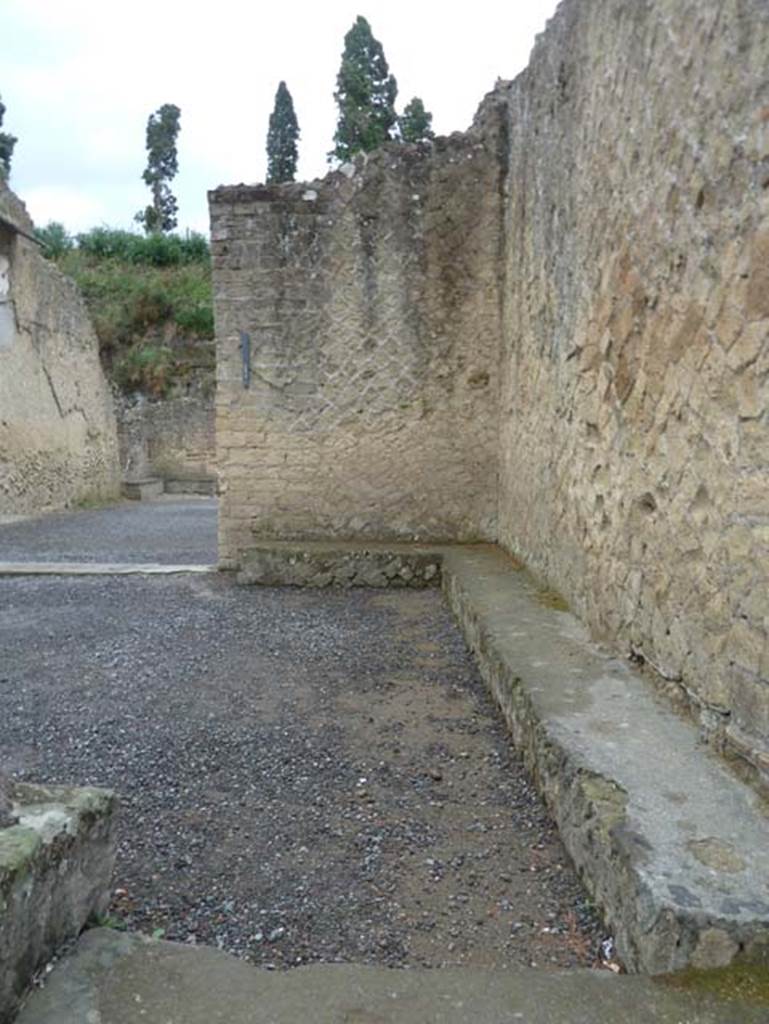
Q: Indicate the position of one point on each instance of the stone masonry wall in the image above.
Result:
(372, 305)
(634, 443)
(173, 437)
(58, 443)
(604, 411)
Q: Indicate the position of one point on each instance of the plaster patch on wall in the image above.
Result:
(7, 315)
(58, 442)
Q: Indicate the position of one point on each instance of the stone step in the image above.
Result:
(143, 490)
(191, 485)
(672, 846)
(117, 978)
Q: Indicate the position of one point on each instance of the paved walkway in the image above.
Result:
(169, 531)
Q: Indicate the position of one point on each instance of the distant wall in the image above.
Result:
(371, 301)
(58, 443)
(634, 440)
(173, 437)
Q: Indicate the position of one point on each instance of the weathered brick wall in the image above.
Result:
(58, 443)
(371, 300)
(635, 408)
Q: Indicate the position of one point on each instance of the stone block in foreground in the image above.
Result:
(672, 846)
(55, 870)
(118, 978)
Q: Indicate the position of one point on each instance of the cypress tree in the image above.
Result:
(365, 95)
(162, 166)
(415, 122)
(281, 138)
(7, 142)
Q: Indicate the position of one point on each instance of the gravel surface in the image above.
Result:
(305, 776)
(170, 530)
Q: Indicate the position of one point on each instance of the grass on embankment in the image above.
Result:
(150, 301)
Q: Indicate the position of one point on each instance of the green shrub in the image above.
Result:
(196, 319)
(125, 299)
(147, 368)
(144, 294)
(154, 250)
(55, 239)
(152, 304)
(196, 248)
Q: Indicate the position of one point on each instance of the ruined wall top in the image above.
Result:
(13, 212)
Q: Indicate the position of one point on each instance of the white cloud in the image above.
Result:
(73, 207)
(80, 79)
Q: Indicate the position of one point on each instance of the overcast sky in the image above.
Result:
(80, 77)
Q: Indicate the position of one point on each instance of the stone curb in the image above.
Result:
(99, 569)
(671, 845)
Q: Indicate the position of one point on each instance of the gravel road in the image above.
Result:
(304, 776)
(170, 530)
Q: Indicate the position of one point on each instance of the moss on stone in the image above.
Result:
(551, 599)
(747, 983)
(609, 800)
(18, 846)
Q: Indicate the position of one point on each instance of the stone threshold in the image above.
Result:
(117, 978)
(142, 490)
(151, 488)
(190, 485)
(671, 845)
(99, 569)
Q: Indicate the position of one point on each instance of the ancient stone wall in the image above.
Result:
(173, 438)
(58, 443)
(634, 443)
(371, 303)
(604, 413)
